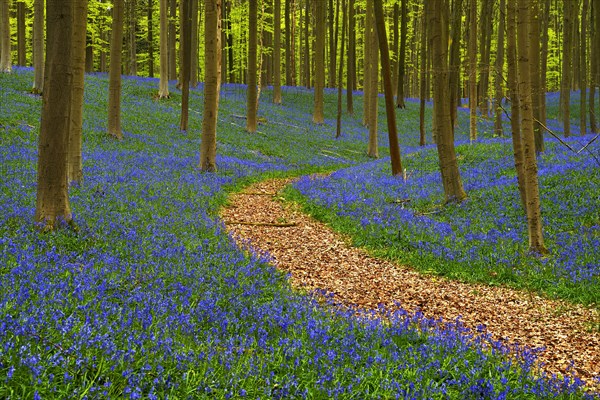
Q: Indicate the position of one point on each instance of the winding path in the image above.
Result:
(317, 258)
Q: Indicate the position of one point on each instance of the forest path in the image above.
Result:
(318, 258)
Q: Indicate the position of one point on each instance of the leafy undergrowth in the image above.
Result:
(151, 298)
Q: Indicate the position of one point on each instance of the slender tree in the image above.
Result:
(351, 58)
(534, 65)
(499, 70)
(38, 47)
(131, 36)
(544, 25)
(5, 54)
(52, 199)
(21, 56)
(172, 40)
(472, 51)
(186, 31)
(595, 67)
(75, 170)
(396, 163)
(485, 33)
(320, 16)
(307, 55)
(332, 47)
(114, 86)
(565, 85)
(212, 83)
(402, 55)
(251, 106)
(150, 37)
(195, 45)
(277, 52)
(454, 63)
(372, 91)
(534, 215)
(288, 43)
(163, 85)
(423, 76)
(338, 131)
(583, 66)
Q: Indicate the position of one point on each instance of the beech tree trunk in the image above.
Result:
(288, 43)
(38, 47)
(423, 78)
(150, 13)
(534, 65)
(402, 56)
(351, 76)
(454, 73)
(212, 83)
(338, 131)
(565, 83)
(251, 106)
(307, 53)
(583, 66)
(52, 198)
(5, 54)
(544, 60)
(472, 50)
(114, 86)
(396, 163)
(453, 188)
(277, 52)
(595, 67)
(186, 60)
(163, 85)
(75, 168)
(320, 16)
(373, 78)
(172, 40)
(499, 68)
(534, 215)
(195, 45)
(21, 55)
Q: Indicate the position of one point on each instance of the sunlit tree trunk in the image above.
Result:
(454, 63)
(485, 32)
(186, 30)
(423, 78)
(534, 65)
(75, 169)
(499, 67)
(351, 58)
(5, 54)
(472, 51)
(277, 52)
(307, 55)
(395, 47)
(131, 36)
(565, 83)
(338, 131)
(21, 56)
(172, 31)
(583, 66)
(251, 106)
(373, 77)
(52, 198)
(595, 67)
(534, 215)
(320, 16)
(515, 122)
(288, 43)
(38, 46)
(212, 82)
(163, 85)
(332, 47)
(195, 44)
(396, 163)
(150, 27)
(544, 59)
(453, 188)
(366, 64)
(402, 55)
(114, 86)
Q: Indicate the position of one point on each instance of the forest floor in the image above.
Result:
(318, 259)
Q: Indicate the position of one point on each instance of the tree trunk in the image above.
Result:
(307, 53)
(565, 84)
(544, 61)
(534, 65)
(52, 199)
(277, 52)
(114, 88)
(583, 66)
(186, 30)
(396, 163)
(38, 47)
(484, 66)
(338, 131)
(366, 65)
(320, 16)
(373, 89)
(224, 16)
(534, 216)
(251, 108)
(472, 50)
(515, 122)
(131, 36)
(454, 77)
(395, 48)
(172, 40)
(402, 56)
(288, 43)
(595, 67)
(453, 188)
(423, 79)
(499, 88)
(21, 55)
(75, 169)
(5, 55)
(332, 47)
(163, 85)
(150, 13)
(195, 45)
(351, 76)
(212, 82)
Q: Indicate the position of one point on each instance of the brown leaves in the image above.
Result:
(318, 258)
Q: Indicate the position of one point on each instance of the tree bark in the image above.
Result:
(351, 76)
(332, 47)
(212, 83)
(52, 198)
(186, 60)
(5, 54)
(453, 188)
(499, 67)
(544, 60)
(583, 66)
(75, 168)
(131, 36)
(402, 56)
(373, 88)
(288, 44)
(472, 50)
(338, 131)
(320, 16)
(277, 52)
(150, 13)
(21, 55)
(565, 85)
(595, 67)
(396, 163)
(307, 53)
(163, 85)
(38, 47)
(195, 45)
(423, 78)
(484, 66)
(251, 106)
(454, 77)
(534, 216)
(534, 65)
(114, 88)
(172, 40)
